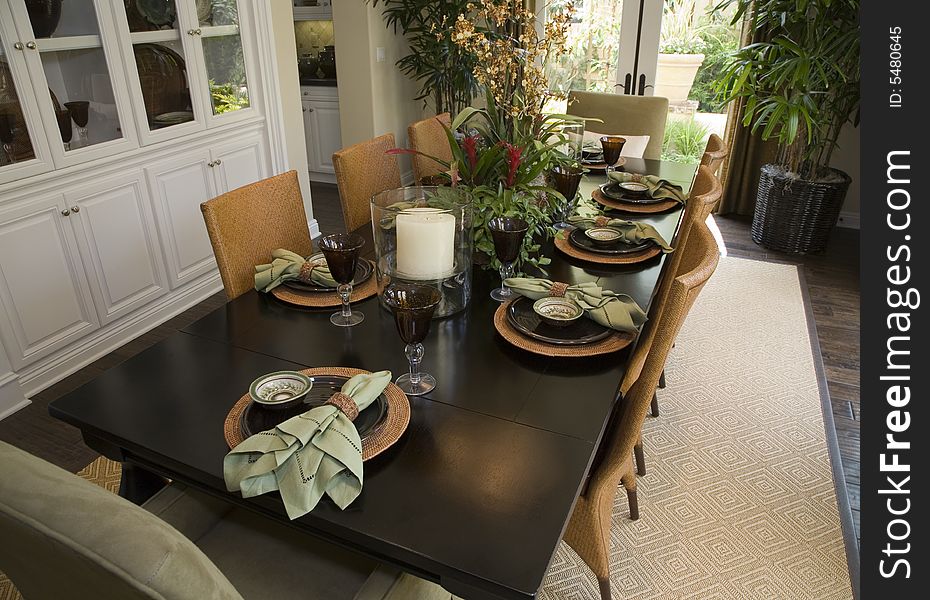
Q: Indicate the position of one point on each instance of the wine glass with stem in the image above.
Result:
(508, 234)
(64, 126)
(565, 179)
(612, 146)
(7, 136)
(413, 306)
(80, 112)
(341, 251)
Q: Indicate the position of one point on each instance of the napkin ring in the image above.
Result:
(345, 403)
(305, 270)
(601, 221)
(636, 177)
(558, 289)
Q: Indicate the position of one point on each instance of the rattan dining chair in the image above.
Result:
(589, 527)
(705, 192)
(363, 170)
(714, 153)
(248, 223)
(64, 537)
(623, 115)
(429, 137)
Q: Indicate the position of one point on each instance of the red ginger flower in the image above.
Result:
(470, 145)
(514, 158)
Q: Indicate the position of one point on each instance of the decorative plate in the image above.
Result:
(578, 239)
(521, 315)
(364, 269)
(380, 425)
(615, 192)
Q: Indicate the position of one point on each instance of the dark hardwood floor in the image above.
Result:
(832, 278)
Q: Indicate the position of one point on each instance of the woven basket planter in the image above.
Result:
(795, 215)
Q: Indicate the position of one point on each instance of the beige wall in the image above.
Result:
(282, 24)
(846, 158)
(375, 98)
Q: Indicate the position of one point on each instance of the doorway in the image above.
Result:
(671, 48)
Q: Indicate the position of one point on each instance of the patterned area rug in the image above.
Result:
(738, 500)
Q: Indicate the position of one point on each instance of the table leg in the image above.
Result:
(138, 485)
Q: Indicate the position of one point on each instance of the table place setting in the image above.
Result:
(603, 155)
(601, 239)
(557, 319)
(307, 434)
(633, 192)
(335, 276)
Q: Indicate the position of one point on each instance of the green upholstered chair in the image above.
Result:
(622, 114)
(64, 537)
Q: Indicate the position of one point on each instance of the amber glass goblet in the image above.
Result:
(80, 112)
(413, 307)
(341, 251)
(565, 180)
(507, 233)
(64, 126)
(612, 146)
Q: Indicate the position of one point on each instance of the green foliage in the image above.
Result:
(681, 28)
(800, 82)
(684, 140)
(721, 40)
(443, 69)
(590, 60)
(227, 98)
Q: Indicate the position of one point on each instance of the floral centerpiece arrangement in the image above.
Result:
(501, 153)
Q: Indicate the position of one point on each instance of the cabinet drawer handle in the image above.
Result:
(191, 32)
(212, 163)
(18, 45)
(75, 209)
(31, 45)
(198, 31)
(219, 162)
(309, 110)
(65, 212)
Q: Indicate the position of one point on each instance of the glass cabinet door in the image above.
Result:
(162, 68)
(224, 57)
(70, 62)
(23, 148)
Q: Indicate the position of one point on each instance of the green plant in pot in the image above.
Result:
(441, 67)
(681, 49)
(800, 85)
(501, 153)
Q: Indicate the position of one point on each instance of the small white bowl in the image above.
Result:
(280, 389)
(634, 187)
(556, 311)
(603, 236)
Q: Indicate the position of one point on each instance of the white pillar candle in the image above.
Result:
(425, 243)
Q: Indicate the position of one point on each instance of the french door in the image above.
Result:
(613, 46)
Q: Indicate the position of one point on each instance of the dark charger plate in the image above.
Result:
(364, 269)
(615, 192)
(257, 418)
(578, 239)
(521, 315)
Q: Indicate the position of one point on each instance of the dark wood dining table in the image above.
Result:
(477, 492)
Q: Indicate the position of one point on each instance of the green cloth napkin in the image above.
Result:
(616, 311)
(286, 265)
(657, 188)
(306, 456)
(633, 232)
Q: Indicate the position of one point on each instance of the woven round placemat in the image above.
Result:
(378, 440)
(566, 247)
(325, 299)
(633, 207)
(602, 166)
(617, 341)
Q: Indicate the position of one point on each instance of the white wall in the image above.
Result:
(282, 25)
(374, 97)
(846, 158)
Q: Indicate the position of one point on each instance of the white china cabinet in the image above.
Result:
(323, 133)
(117, 119)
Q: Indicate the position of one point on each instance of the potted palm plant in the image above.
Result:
(800, 85)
